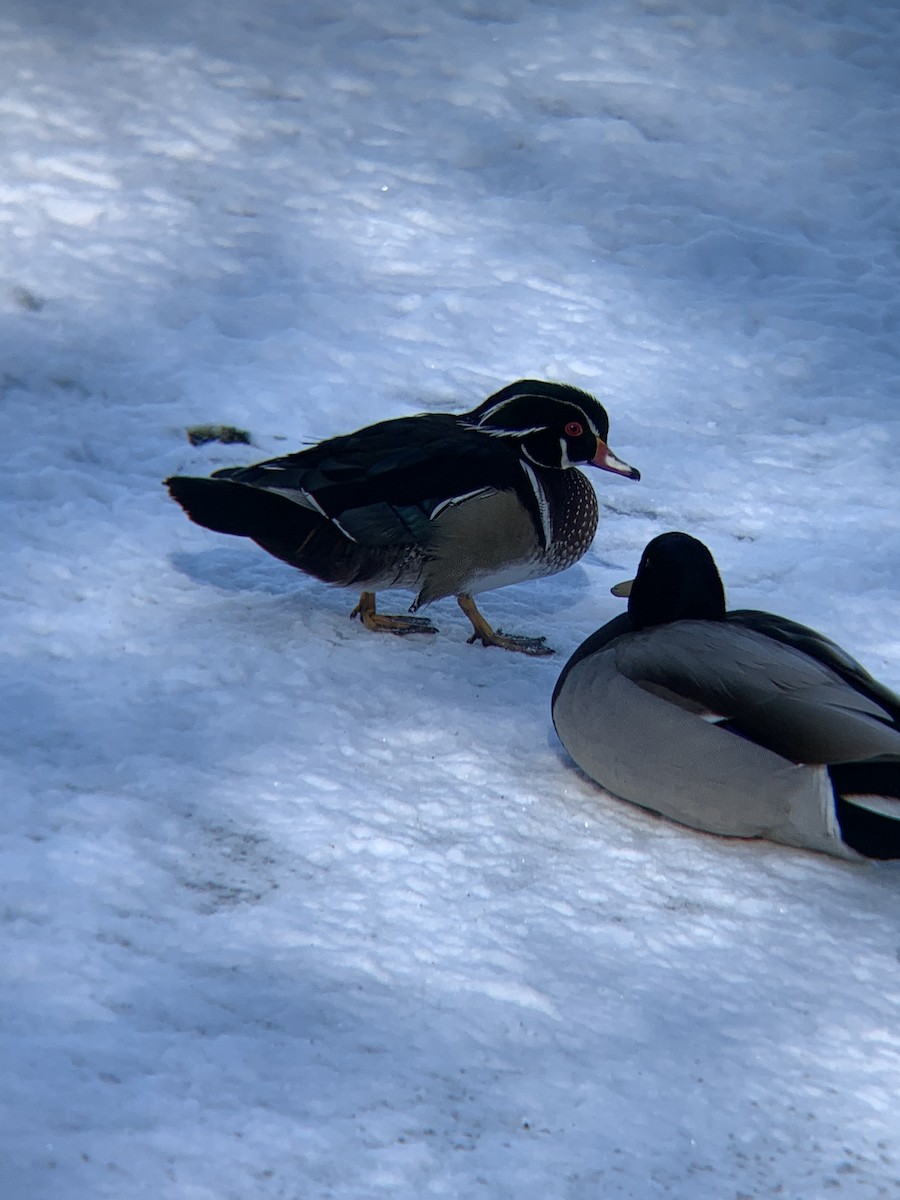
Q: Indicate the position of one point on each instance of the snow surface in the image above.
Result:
(291, 910)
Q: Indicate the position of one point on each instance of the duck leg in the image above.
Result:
(382, 623)
(495, 637)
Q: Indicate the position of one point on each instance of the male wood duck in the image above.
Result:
(740, 723)
(441, 504)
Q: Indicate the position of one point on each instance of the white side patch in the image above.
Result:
(543, 506)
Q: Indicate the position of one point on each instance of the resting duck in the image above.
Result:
(441, 504)
(740, 723)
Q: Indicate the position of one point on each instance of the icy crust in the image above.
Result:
(294, 911)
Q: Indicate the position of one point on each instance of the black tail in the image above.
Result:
(874, 834)
(241, 509)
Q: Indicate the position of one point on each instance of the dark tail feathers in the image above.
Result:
(871, 833)
(240, 509)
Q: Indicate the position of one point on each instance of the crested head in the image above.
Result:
(677, 580)
(555, 425)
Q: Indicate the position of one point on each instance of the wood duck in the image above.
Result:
(442, 504)
(740, 723)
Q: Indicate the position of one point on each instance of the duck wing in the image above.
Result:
(386, 483)
(828, 653)
(763, 689)
(607, 633)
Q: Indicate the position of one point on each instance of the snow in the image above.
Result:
(291, 910)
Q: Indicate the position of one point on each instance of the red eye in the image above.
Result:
(573, 429)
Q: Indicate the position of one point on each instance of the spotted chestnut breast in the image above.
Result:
(574, 516)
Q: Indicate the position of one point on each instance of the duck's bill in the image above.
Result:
(607, 461)
(623, 590)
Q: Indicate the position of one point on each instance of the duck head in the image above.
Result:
(677, 580)
(556, 426)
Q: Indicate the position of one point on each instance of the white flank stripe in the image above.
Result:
(445, 504)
